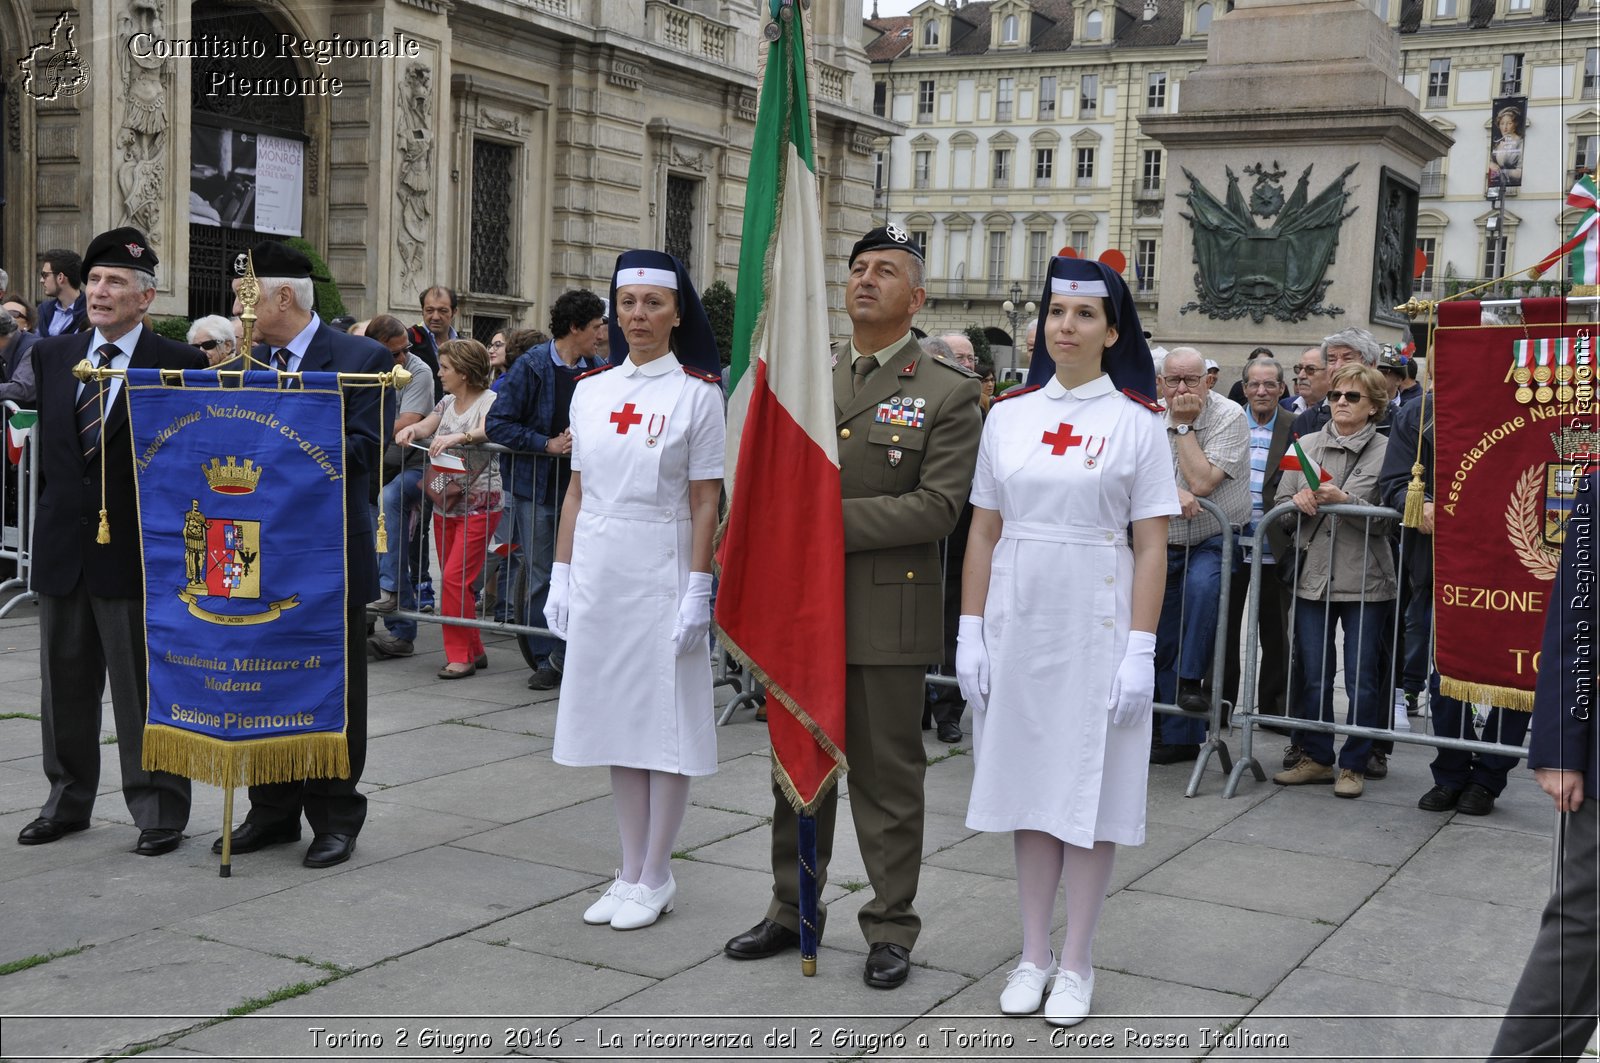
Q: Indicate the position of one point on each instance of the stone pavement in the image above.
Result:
(1282, 923)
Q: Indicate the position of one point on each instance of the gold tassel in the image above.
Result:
(103, 536)
(1414, 499)
(383, 534)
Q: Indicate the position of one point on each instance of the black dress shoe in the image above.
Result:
(250, 836)
(44, 830)
(1439, 799)
(888, 965)
(1192, 697)
(154, 841)
(544, 678)
(329, 849)
(1476, 800)
(949, 731)
(1165, 754)
(764, 939)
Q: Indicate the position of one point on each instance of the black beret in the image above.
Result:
(273, 259)
(124, 248)
(886, 238)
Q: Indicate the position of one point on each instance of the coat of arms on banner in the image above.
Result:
(1536, 522)
(222, 555)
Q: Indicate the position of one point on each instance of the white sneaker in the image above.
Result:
(1024, 990)
(1069, 999)
(600, 912)
(642, 905)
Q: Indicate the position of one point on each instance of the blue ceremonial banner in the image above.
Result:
(242, 526)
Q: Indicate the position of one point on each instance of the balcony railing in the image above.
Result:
(833, 82)
(1148, 189)
(688, 32)
(1432, 184)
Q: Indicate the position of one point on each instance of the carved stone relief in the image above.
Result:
(141, 138)
(414, 179)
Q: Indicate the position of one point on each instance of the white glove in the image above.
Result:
(694, 615)
(972, 663)
(555, 602)
(1133, 691)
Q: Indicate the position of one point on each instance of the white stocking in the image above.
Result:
(669, 799)
(630, 794)
(1088, 874)
(1038, 877)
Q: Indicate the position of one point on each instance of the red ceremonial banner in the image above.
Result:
(1515, 423)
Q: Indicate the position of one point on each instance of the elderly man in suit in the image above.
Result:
(91, 593)
(908, 441)
(1552, 1014)
(295, 340)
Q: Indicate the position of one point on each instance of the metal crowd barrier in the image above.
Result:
(1214, 743)
(1247, 716)
(520, 620)
(19, 497)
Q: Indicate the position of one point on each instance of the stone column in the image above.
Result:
(1293, 162)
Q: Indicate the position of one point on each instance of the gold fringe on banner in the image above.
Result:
(251, 762)
(1486, 694)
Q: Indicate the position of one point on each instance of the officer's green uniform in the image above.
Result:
(908, 442)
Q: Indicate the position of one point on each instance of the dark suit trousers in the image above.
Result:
(1558, 994)
(82, 639)
(331, 806)
(883, 744)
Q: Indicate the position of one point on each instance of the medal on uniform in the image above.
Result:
(1543, 395)
(895, 454)
(919, 403)
(1564, 361)
(653, 430)
(1541, 363)
(1524, 394)
(1520, 357)
(1094, 451)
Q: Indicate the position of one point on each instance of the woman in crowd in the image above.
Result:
(214, 336)
(1346, 577)
(466, 500)
(631, 586)
(22, 314)
(986, 384)
(1056, 651)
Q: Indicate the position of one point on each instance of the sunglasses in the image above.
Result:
(209, 345)
(1352, 397)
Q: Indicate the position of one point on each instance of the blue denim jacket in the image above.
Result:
(522, 414)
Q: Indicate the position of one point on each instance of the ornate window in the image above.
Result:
(1001, 169)
(1202, 18)
(925, 100)
(1038, 258)
(1155, 91)
(921, 170)
(1429, 246)
(1044, 167)
(1144, 266)
(1433, 178)
(1004, 97)
(1010, 30)
(1084, 177)
(1591, 73)
(1150, 180)
(930, 33)
(997, 262)
(679, 237)
(493, 185)
(1438, 82)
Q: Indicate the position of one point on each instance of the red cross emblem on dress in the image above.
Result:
(625, 419)
(1061, 440)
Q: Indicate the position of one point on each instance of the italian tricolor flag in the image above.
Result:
(18, 429)
(1584, 244)
(1295, 459)
(780, 604)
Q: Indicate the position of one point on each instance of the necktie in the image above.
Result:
(862, 368)
(280, 359)
(89, 401)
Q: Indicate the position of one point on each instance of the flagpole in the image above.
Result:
(226, 870)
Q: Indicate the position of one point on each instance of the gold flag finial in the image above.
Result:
(249, 296)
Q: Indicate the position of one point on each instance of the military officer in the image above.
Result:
(908, 436)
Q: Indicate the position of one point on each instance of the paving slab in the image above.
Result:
(394, 906)
(1470, 949)
(742, 784)
(22, 789)
(111, 987)
(99, 841)
(19, 737)
(994, 853)
(1470, 859)
(505, 791)
(1257, 878)
(424, 752)
(713, 904)
(1200, 943)
(1309, 819)
(1312, 1010)
(537, 718)
(583, 837)
(416, 1003)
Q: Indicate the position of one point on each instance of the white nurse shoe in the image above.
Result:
(1069, 999)
(600, 912)
(1024, 990)
(643, 905)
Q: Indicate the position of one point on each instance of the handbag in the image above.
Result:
(443, 490)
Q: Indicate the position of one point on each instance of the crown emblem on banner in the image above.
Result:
(1576, 443)
(232, 478)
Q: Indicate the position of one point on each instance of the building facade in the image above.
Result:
(1023, 137)
(506, 148)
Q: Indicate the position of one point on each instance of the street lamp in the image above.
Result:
(1013, 312)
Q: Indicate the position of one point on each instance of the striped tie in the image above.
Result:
(89, 402)
(280, 359)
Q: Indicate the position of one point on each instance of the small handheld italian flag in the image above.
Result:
(1297, 460)
(18, 429)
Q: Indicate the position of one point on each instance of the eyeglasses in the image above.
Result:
(1307, 370)
(497, 344)
(20, 315)
(1186, 381)
(1352, 397)
(46, 274)
(209, 345)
